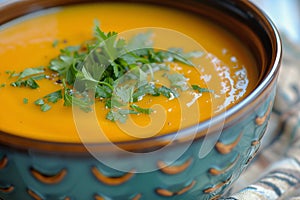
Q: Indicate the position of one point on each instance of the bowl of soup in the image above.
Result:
(132, 100)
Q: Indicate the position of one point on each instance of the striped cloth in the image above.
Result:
(275, 173)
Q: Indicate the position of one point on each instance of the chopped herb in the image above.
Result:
(45, 107)
(167, 92)
(113, 103)
(201, 90)
(119, 115)
(2, 85)
(28, 77)
(39, 77)
(25, 100)
(194, 54)
(119, 73)
(146, 89)
(30, 71)
(125, 93)
(39, 102)
(141, 110)
(11, 73)
(55, 43)
(177, 54)
(54, 96)
(178, 81)
(103, 91)
(110, 116)
(31, 83)
(78, 99)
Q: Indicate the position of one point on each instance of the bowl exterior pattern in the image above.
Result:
(32, 175)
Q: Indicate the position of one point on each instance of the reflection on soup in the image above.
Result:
(35, 40)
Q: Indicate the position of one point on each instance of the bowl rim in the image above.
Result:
(24, 143)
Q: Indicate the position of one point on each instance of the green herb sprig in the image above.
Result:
(28, 77)
(115, 70)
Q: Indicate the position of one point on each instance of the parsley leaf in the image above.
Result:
(145, 90)
(82, 100)
(124, 93)
(178, 81)
(119, 73)
(119, 115)
(31, 83)
(103, 91)
(55, 43)
(177, 54)
(45, 107)
(25, 100)
(54, 96)
(201, 90)
(28, 77)
(31, 71)
(168, 92)
(11, 73)
(141, 110)
(39, 102)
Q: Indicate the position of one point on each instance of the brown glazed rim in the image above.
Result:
(266, 46)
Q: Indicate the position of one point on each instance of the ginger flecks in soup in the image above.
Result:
(164, 95)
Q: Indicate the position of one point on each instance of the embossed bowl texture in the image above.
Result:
(32, 169)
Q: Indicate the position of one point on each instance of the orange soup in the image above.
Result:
(35, 40)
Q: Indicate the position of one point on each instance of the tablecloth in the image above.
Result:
(275, 173)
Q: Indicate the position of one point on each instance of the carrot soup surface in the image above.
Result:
(29, 42)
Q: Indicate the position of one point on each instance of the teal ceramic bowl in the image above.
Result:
(38, 170)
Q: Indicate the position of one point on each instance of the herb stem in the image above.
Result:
(107, 84)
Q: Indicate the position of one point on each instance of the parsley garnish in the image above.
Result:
(25, 100)
(39, 102)
(28, 77)
(141, 110)
(116, 74)
(11, 73)
(178, 81)
(50, 98)
(30, 82)
(81, 100)
(30, 71)
(55, 43)
(45, 107)
(200, 89)
(168, 92)
(119, 115)
(54, 96)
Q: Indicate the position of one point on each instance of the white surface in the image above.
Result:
(285, 14)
